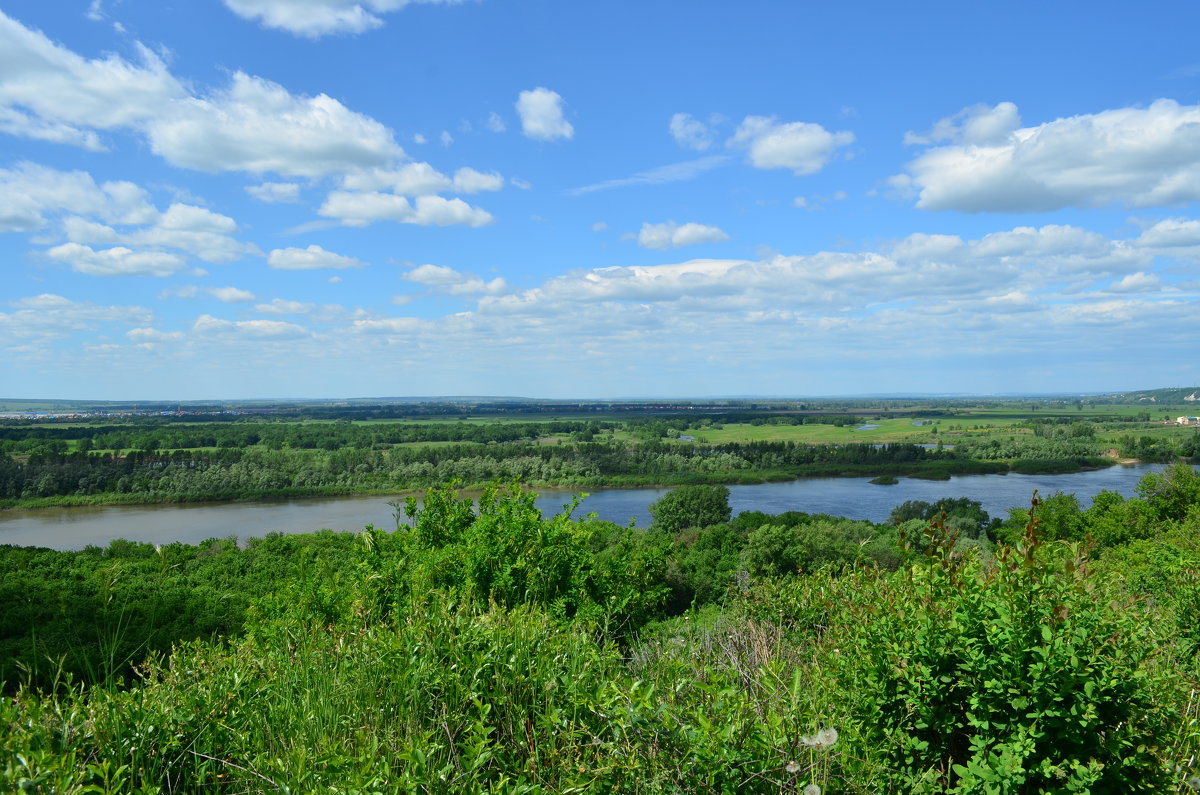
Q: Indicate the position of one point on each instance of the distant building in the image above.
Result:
(1187, 420)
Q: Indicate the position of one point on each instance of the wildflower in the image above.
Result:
(1194, 783)
(792, 766)
(812, 789)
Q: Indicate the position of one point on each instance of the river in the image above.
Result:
(75, 528)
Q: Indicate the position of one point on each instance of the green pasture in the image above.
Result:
(900, 429)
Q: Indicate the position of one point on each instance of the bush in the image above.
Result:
(1014, 678)
(690, 506)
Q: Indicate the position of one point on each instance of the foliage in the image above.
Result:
(1014, 678)
(490, 649)
(773, 550)
(690, 506)
(965, 516)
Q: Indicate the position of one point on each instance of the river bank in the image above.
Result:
(856, 498)
(933, 471)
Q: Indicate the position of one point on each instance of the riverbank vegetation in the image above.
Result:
(487, 648)
(249, 456)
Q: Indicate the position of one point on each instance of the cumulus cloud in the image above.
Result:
(117, 261)
(383, 194)
(193, 230)
(410, 179)
(454, 282)
(312, 258)
(254, 125)
(672, 235)
(232, 295)
(691, 133)
(1137, 283)
(51, 93)
(30, 194)
(258, 126)
(541, 115)
(495, 122)
(275, 192)
(468, 180)
(802, 147)
(1171, 233)
(1137, 157)
(248, 329)
(315, 18)
(363, 208)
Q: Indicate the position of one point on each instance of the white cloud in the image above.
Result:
(231, 295)
(30, 192)
(391, 325)
(195, 230)
(46, 317)
(446, 138)
(520, 183)
(279, 306)
(1137, 283)
(599, 226)
(117, 261)
(410, 179)
(315, 18)
(275, 192)
(1139, 157)
(258, 126)
(495, 122)
(802, 147)
(541, 115)
(454, 282)
(468, 180)
(49, 92)
(254, 125)
(150, 336)
(248, 329)
(421, 179)
(363, 208)
(1171, 233)
(672, 235)
(977, 125)
(691, 133)
(312, 258)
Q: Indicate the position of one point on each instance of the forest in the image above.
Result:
(484, 647)
(176, 458)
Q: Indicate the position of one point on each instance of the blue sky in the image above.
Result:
(327, 198)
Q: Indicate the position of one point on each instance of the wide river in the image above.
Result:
(75, 528)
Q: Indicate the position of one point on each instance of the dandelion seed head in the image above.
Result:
(792, 766)
(827, 738)
(812, 789)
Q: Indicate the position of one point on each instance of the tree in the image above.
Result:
(690, 506)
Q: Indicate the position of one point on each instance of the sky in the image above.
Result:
(223, 199)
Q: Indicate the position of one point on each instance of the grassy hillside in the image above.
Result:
(501, 651)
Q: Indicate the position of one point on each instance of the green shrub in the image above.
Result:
(1012, 678)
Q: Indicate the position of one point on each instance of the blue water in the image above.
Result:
(75, 528)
